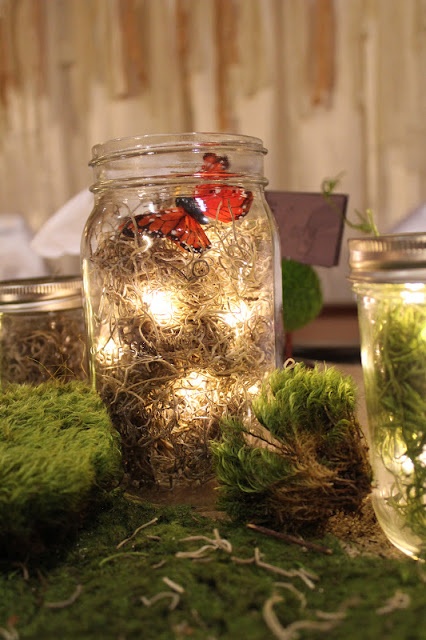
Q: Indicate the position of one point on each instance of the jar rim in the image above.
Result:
(388, 253)
(149, 144)
(44, 293)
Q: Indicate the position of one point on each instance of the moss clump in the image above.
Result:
(306, 461)
(58, 455)
(302, 294)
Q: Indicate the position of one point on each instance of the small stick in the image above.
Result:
(65, 603)
(173, 585)
(126, 554)
(25, 573)
(290, 539)
(174, 599)
(135, 533)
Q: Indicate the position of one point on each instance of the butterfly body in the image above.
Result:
(192, 207)
(211, 201)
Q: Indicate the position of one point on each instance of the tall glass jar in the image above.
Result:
(181, 270)
(388, 275)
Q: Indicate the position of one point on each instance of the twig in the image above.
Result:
(290, 539)
(214, 543)
(173, 585)
(399, 600)
(11, 633)
(65, 603)
(135, 533)
(174, 599)
(25, 573)
(306, 576)
(126, 554)
(291, 632)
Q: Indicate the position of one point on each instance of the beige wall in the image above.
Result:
(330, 87)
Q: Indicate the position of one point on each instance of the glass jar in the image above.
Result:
(181, 270)
(388, 275)
(42, 330)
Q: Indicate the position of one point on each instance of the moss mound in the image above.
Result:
(58, 454)
(306, 461)
(302, 294)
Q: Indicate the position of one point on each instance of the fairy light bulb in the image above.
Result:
(161, 305)
(108, 351)
(238, 314)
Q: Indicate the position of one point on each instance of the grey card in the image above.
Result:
(310, 225)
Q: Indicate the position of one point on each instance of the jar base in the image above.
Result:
(395, 529)
(203, 496)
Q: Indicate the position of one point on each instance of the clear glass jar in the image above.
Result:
(388, 275)
(42, 330)
(181, 270)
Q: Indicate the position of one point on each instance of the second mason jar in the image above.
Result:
(388, 274)
(182, 282)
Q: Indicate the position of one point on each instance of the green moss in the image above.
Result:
(222, 599)
(58, 454)
(308, 462)
(302, 294)
(396, 399)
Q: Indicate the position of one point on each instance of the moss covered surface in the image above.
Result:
(59, 454)
(89, 588)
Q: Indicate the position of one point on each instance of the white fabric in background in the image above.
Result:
(17, 259)
(414, 222)
(61, 235)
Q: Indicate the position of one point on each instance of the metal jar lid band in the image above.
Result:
(41, 294)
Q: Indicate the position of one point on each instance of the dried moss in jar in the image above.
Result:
(42, 330)
(181, 270)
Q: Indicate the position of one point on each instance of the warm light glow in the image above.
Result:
(238, 313)
(189, 386)
(160, 304)
(108, 353)
(254, 389)
(414, 293)
(193, 389)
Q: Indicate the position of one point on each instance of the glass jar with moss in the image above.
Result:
(388, 275)
(42, 330)
(181, 269)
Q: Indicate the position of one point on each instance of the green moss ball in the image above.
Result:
(59, 454)
(302, 294)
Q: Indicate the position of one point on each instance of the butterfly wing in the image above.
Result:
(214, 164)
(175, 224)
(223, 202)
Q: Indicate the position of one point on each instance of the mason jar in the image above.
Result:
(182, 286)
(42, 330)
(388, 275)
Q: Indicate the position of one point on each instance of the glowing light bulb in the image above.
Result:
(254, 389)
(193, 383)
(194, 392)
(108, 352)
(237, 314)
(160, 304)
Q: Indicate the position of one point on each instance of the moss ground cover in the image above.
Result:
(59, 454)
(104, 583)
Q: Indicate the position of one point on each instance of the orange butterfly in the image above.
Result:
(182, 223)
